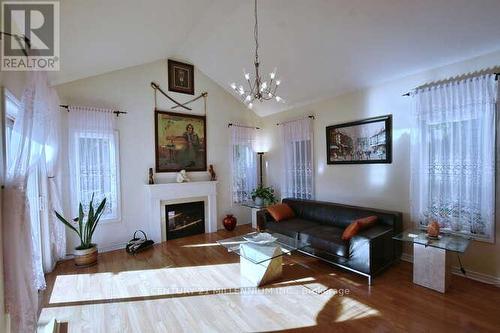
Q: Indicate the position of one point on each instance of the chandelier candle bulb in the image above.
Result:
(273, 74)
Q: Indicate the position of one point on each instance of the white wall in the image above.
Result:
(14, 82)
(376, 185)
(129, 90)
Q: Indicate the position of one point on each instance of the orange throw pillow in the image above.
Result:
(358, 225)
(281, 212)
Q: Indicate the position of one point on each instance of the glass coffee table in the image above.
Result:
(431, 256)
(261, 263)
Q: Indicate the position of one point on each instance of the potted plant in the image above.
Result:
(84, 226)
(263, 196)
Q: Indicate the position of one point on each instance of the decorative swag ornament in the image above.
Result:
(453, 156)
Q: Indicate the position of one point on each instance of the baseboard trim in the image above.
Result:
(112, 247)
(484, 278)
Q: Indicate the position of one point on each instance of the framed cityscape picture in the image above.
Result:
(180, 142)
(360, 142)
(180, 77)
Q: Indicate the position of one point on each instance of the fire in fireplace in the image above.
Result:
(185, 219)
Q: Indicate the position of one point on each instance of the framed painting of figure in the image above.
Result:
(180, 142)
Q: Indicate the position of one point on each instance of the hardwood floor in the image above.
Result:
(192, 284)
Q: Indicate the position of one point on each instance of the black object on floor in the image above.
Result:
(138, 244)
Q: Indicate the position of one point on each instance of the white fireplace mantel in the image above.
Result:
(157, 193)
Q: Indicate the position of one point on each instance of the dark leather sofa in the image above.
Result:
(321, 225)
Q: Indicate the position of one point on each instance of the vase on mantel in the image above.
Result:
(229, 222)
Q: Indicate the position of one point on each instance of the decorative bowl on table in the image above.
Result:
(260, 238)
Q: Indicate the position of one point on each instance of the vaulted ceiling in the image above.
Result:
(321, 47)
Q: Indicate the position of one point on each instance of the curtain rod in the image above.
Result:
(290, 121)
(236, 125)
(115, 112)
(497, 75)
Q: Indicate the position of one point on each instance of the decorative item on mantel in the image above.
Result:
(229, 222)
(151, 177)
(182, 177)
(211, 172)
(433, 229)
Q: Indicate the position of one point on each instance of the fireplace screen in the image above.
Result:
(185, 219)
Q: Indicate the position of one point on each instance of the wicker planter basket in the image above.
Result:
(86, 257)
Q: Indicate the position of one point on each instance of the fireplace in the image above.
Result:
(159, 195)
(185, 219)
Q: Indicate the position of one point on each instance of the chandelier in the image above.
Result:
(258, 88)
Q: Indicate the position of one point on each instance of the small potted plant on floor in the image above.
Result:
(84, 226)
(263, 196)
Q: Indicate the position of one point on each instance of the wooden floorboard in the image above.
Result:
(192, 284)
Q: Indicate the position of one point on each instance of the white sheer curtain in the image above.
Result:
(298, 168)
(27, 150)
(93, 154)
(453, 156)
(243, 166)
(53, 234)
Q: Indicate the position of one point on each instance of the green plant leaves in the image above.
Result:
(98, 213)
(63, 220)
(266, 193)
(86, 228)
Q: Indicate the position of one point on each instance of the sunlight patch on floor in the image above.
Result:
(352, 310)
(144, 283)
(261, 310)
(302, 280)
(201, 245)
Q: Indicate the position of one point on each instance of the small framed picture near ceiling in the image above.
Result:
(180, 77)
(360, 142)
(180, 142)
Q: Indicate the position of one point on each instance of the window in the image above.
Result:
(96, 172)
(298, 171)
(462, 214)
(244, 166)
(453, 157)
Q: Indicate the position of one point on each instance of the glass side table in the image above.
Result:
(255, 209)
(432, 256)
